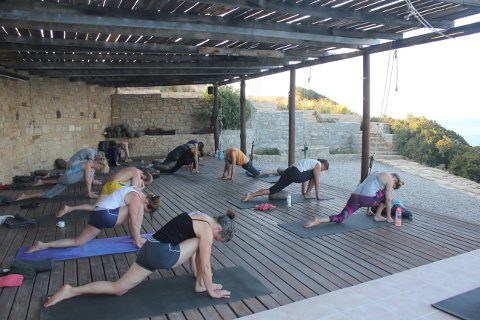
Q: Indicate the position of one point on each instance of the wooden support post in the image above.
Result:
(243, 118)
(216, 129)
(366, 116)
(291, 119)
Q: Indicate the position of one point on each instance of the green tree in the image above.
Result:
(229, 109)
(466, 165)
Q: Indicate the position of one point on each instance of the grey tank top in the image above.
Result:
(370, 186)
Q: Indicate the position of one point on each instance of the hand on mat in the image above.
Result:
(139, 243)
(92, 195)
(220, 294)
(96, 181)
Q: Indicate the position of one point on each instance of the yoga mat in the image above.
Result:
(296, 198)
(464, 306)
(355, 222)
(62, 197)
(96, 247)
(156, 297)
(271, 179)
(69, 217)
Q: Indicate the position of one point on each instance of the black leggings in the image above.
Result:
(290, 175)
(175, 154)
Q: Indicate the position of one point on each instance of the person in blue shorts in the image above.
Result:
(124, 204)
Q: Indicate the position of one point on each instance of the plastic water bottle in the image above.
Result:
(289, 200)
(398, 217)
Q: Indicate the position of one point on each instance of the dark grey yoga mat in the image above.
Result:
(464, 306)
(156, 297)
(59, 198)
(69, 217)
(271, 179)
(296, 198)
(356, 222)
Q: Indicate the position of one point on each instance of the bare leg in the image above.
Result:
(86, 235)
(25, 196)
(266, 173)
(260, 192)
(199, 284)
(132, 278)
(315, 221)
(66, 209)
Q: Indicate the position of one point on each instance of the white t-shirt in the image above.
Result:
(115, 199)
(306, 164)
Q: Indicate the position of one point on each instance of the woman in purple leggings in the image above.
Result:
(375, 190)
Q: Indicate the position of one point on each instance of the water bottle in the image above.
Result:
(289, 200)
(398, 217)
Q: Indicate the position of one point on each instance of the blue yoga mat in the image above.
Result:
(96, 247)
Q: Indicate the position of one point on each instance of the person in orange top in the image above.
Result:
(235, 157)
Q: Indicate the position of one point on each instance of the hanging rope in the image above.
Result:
(307, 77)
(392, 61)
(412, 11)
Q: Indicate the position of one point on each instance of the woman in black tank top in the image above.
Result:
(188, 235)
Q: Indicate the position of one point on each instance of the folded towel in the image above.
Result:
(11, 280)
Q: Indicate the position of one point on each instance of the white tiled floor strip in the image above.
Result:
(405, 295)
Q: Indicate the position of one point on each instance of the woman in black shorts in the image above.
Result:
(185, 154)
(180, 239)
(301, 171)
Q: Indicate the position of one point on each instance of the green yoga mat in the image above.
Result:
(355, 222)
(156, 297)
(465, 305)
(296, 198)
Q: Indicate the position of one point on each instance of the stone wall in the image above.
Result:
(270, 130)
(160, 146)
(44, 119)
(142, 111)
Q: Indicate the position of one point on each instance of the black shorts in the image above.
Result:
(290, 175)
(250, 168)
(157, 255)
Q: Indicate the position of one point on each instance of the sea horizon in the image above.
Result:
(469, 129)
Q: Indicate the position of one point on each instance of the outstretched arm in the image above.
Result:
(135, 217)
(195, 160)
(87, 177)
(315, 181)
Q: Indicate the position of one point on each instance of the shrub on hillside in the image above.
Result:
(466, 165)
(229, 107)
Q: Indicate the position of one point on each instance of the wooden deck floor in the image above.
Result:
(292, 267)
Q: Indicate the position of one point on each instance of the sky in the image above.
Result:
(440, 81)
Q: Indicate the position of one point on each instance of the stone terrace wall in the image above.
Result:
(44, 119)
(270, 130)
(160, 146)
(142, 111)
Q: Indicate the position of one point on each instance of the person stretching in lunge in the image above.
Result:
(301, 171)
(113, 210)
(85, 169)
(188, 235)
(376, 189)
(123, 178)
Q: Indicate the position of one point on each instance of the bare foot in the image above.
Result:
(379, 218)
(22, 196)
(64, 210)
(247, 197)
(312, 223)
(389, 220)
(65, 292)
(215, 286)
(308, 196)
(37, 246)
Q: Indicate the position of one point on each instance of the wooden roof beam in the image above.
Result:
(107, 25)
(324, 12)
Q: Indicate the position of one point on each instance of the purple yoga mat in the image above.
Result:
(96, 247)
